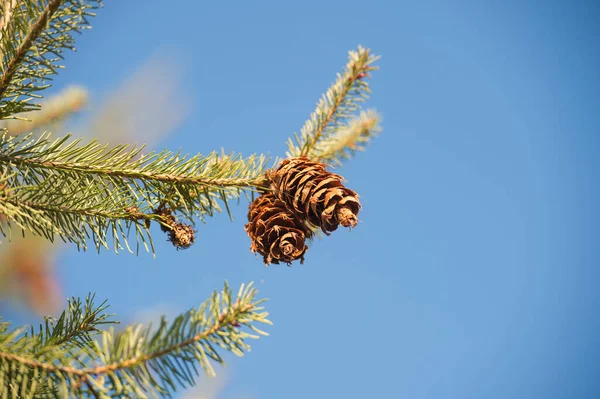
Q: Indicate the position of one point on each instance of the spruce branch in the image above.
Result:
(80, 191)
(126, 162)
(68, 336)
(75, 327)
(38, 33)
(67, 208)
(336, 106)
(138, 361)
(349, 139)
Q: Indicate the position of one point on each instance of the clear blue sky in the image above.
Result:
(474, 271)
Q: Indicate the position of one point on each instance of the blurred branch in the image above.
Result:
(55, 109)
(7, 10)
(26, 273)
(349, 139)
(146, 106)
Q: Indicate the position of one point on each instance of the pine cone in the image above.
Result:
(315, 194)
(276, 233)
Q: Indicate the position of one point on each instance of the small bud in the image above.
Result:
(182, 236)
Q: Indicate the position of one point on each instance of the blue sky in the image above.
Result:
(473, 272)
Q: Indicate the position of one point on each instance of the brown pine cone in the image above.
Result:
(315, 194)
(276, 233)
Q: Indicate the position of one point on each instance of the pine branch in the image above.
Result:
(38, 32)
(78, 191)
(137, 362)
(336, 106)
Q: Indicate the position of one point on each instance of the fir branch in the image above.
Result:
(137, 361)
(336, 106)
(39, 32)
(77, 191)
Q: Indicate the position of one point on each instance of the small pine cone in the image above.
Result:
(276, 233)
(315, 194)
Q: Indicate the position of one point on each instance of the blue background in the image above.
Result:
(473, 273)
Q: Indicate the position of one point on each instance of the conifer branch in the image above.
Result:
(137, 361)
(40, 31)
(336, 106)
